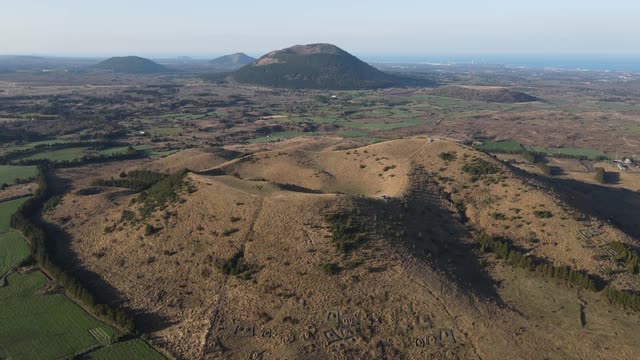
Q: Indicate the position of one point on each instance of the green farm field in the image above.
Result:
(9, 174)
(13, 250)
(7, 208)
(42, 326)
(67, 154)
(131, 349)
(513, 147)
(123, 149)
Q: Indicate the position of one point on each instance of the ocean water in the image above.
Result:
(623, 63)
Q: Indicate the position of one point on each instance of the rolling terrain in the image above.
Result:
(373, 252)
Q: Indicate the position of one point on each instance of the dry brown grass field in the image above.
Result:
(414, 287)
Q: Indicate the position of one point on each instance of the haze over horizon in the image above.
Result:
(408, 27)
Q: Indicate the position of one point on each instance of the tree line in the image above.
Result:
(136, 180)
(530, 155)
(43, 250)
(517, 258)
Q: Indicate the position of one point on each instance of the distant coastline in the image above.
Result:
(621, 63)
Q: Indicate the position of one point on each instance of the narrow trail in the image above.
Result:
(212, 337)
(426, 193)
(442, 302)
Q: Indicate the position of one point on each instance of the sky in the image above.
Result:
(364, 27)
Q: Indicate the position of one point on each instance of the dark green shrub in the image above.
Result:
(627, 254)
(229, 232)
(479, 167)
(331, 268)
(127, 215)
(236, 266)
(498, 216)
(543, 214)
(149, 230)
(448, 156)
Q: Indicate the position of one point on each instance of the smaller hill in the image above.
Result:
(232, 62)
(131, 65)
(484, 93)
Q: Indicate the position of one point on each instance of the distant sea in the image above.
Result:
(624, 63)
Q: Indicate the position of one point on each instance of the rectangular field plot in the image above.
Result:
(42, 326)
(281, 135)
(67, 154)
(9, 174)
(502, 147)
(574, 152)
(13, 250)
(131, 349)
(123, 149)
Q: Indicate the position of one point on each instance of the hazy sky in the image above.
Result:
(199, 27)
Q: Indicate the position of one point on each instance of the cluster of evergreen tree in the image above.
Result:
(43, 248)
(517, 258)
(627, 254)
(479, 168)
(346, 230)
(161, 193)
(567, 274)
(600, 175)
(137, 180)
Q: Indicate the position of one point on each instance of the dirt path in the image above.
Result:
(212, 343)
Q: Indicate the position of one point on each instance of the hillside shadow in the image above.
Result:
(615, 206)
(103, 292)
(96, 284)
(435, 232)
(612, 178)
